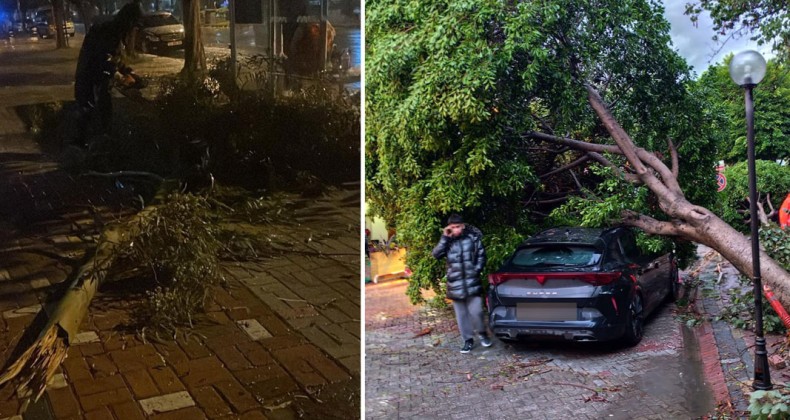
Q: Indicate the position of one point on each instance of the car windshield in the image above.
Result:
(556, 256)
(159, 20)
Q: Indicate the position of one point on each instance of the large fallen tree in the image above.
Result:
(687, 220)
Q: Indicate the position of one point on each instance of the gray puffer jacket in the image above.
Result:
(466, 258)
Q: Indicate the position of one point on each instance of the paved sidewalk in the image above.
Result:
(281, 342)
(414, 369)
(734, 347)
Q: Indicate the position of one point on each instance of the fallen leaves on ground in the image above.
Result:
(425, 331)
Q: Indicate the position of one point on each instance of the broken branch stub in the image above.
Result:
(32, 371)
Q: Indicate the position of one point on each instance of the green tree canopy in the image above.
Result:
(773, 180)
(772, 112)
(456, 91)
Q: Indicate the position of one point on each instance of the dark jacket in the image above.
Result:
(98, 61)
(466, 258)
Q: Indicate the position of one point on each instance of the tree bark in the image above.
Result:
(688, 221)
(58, 15)
(194, 54)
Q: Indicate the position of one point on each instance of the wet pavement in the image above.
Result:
(281, 341)
(413, 375)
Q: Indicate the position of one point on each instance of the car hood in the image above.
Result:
(167, 29)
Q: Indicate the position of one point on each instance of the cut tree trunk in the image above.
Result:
(35, 367)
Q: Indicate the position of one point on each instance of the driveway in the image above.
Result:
(414, 369)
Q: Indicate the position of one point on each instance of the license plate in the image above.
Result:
(173, 43)
(555, 311)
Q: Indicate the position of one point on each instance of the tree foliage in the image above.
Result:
(456, 91)
(773, 180)
(772, 112)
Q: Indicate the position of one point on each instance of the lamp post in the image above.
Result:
(747, 69)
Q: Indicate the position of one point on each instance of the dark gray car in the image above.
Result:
(579, 284)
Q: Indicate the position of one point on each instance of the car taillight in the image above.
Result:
(596, 279)
(494, 279)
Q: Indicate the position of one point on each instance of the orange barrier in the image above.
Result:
(780, 310)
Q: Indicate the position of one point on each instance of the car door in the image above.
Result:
(651, 282)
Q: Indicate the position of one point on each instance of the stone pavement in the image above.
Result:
(413, 369)
(281, 341)
(733, 347)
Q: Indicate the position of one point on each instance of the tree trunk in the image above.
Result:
(58, 15)
(194, 55)
(689, 221)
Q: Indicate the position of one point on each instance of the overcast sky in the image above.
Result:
(695, 44)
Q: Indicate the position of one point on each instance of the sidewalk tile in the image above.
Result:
(128, 411)
(168, 402)
(209, 400)
(166, 380)
(254, 329)
(238, 397)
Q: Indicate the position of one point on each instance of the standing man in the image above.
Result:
(462, 245)
(99, 63)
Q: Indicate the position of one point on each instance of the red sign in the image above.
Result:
(721, 181)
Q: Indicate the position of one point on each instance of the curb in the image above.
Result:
(726, 360)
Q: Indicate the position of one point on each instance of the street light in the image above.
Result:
(747, 69)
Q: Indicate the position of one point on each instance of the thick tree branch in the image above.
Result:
(673, 152)
(576, 144)
(571, 165)
(666, 190)
(657, 227)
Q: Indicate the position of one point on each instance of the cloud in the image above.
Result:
(695, 43)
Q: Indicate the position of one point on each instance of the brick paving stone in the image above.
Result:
(210, 401)
(166, 380)
(255, 353)
(260, 373)
(239, 398)
(127, 411)
(201, 372)
(253, 415)
(167, 403)
(184, 413)
(115, 396)
(94, 386)
(194, 349)
(86, 337)
(9, 408)
(91, 349)
(253, 329)
(234, 336)
(101, 365)
(172, 352)
(232, 358)
(139, 357)
(141, 384)
(100, 414)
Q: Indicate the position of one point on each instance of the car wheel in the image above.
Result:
(634, 322)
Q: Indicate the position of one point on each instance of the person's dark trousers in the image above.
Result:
(104, 105)
(469, 315)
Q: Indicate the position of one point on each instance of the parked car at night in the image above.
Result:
(44, 22)
(579, 284)
(160, 31)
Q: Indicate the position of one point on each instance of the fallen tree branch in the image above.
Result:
(34, 368)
